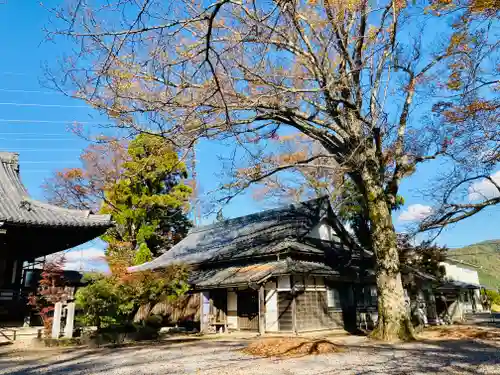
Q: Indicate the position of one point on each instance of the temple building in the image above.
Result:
(291, 269)
(30, 229)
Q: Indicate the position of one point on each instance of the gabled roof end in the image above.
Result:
(10, 158)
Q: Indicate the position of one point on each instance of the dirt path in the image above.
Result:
(224, 356)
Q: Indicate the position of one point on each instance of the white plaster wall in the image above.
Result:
(457, 273)
(232, 307)
(271, 307)
(284, 283)
(324, 232)
(205, 309)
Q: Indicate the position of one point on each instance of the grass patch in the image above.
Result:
(290, 347)
(495, 308)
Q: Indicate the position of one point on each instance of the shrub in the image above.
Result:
(493, 297)
(113, 300)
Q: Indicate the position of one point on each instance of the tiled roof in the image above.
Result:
(243, 237)
(16, 207)
(256, 273)
(454, 284)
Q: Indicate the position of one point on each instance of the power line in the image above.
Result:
(45, 149)
(13, 74)
(44, 105)
(40, 134)
(46, 161)
(36, 170)
(30, 91)
(56, 122)
(38, 139)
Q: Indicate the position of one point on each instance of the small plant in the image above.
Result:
(50, 291)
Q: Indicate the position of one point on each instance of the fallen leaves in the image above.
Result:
(290, 347)
(462, 333)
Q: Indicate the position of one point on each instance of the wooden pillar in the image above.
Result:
(294, 314)
(14, 274)
(262, 311)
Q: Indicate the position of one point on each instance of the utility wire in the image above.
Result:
(36, 170)
(38, 139)
(44, 105)
(56, 122)
(46, 149)
(13, 74)
(39, 134)
(30, 91)
(46, 161)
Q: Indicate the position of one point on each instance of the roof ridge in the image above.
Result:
(283, 208)
(9, 157)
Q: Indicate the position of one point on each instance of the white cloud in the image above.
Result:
(415, 212)
(83, 259)
(484, 189)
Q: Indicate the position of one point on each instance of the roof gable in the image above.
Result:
(16, 206)
(245, 236)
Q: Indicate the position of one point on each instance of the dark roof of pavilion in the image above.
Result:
(257, 273)
(16, 206)
(251, 236)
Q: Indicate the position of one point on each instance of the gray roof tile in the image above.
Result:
(256, 273)
(243, 237)
(16, 206)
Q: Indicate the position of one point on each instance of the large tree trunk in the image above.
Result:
(393, 322)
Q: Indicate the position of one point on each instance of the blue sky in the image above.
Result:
(39, 132)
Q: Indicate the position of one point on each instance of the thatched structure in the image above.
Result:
(183, 309)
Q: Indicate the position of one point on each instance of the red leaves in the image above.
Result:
(50, 290)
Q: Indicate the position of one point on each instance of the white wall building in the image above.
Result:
(460, 273)
(471, 300)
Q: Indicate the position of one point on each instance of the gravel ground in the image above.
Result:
(223, 356)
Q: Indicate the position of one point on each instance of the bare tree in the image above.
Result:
(84, 188)
(346, 74)
(470, 113)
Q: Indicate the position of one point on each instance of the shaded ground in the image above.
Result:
(441, 355)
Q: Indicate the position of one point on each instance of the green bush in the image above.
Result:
(103, 303)
(493, 296)
(111, 301)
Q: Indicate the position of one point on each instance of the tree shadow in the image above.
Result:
(212, 356)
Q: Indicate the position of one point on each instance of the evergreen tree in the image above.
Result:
(149, 201)
(141, 183)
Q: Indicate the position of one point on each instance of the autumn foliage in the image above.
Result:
(51, 289)
(141, 183)
(357, 78)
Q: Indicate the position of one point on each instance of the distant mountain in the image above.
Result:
(485, 256)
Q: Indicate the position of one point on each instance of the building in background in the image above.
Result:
(30, 229)
(291, 269)
(460, 291)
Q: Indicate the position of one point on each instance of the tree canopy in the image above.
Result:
(143, 185)
(357, 78)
